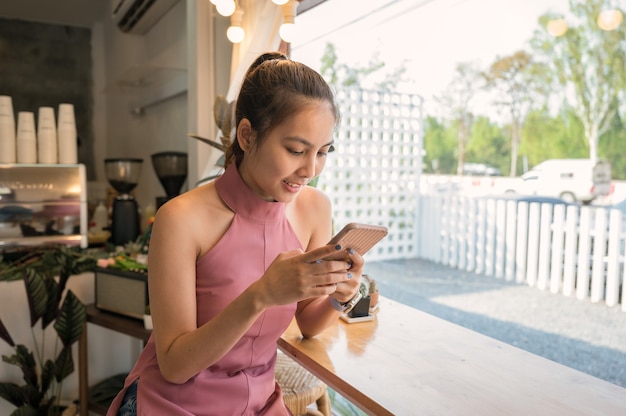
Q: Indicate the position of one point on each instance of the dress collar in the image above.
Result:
(240, 198)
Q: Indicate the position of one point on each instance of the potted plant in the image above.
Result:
(373, 293)
(45, 272)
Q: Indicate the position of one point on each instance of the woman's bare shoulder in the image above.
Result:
(199, 214)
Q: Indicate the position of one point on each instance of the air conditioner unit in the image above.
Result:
(138, 16)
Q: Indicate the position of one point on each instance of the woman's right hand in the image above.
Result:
(294, 275)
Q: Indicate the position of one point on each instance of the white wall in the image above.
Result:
(158, 56)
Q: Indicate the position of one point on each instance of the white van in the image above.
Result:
(574, 180)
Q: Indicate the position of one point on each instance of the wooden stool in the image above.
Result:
(301, 388)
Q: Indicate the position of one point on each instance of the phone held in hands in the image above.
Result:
(360, 237)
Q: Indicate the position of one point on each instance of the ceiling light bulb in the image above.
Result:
(557, 27)
(288, 29)
(225, 7)
(610, 19)
(235, 34)
(280, 2)
(288, 32)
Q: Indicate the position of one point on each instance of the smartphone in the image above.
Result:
(360, 237)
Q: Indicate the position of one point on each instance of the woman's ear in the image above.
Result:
(245, 135)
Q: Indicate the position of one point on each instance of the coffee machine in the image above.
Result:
(171, 169)
(123, 175)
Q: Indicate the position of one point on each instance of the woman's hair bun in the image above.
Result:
(267, 56)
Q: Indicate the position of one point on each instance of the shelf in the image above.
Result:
(115, 322)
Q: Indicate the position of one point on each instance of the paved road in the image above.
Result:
(585, 336)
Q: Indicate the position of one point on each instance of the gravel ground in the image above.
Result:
(579, 334)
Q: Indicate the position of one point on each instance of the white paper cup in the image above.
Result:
(7, 130)
(26, 138)
(66, 134)
(46, 136)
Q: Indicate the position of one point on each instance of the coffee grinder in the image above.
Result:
(123, 175)
(171, 169)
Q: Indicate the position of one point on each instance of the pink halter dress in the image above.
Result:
(242, 382)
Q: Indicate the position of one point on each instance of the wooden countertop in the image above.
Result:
(408, 362)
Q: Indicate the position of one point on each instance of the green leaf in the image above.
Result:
(26, 362)
(52, 304)
(47, 375)
(36, 293)
(64, 365)
(25, 411)
(12, 393)
(72, 317)
(4, 334)
(33, 396)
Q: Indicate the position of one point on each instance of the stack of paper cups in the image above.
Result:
(67, 137)
(7, 130)
(26, 138)
(46, 136)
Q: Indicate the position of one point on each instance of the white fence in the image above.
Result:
(570, 249)
(373, 176)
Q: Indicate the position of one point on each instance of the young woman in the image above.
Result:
(231, 262)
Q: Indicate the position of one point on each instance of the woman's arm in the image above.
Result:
(183, 350)
(316, 314)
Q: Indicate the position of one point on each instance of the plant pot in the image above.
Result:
(147, 321)
(373, 299)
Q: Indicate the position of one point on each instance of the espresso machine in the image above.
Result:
(171, 169)
(123, 175)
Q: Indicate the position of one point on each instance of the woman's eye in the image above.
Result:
(295, 152)
(329, 150)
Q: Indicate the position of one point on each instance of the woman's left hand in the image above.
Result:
(347, 289)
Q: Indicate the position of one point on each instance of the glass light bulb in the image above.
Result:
(288, 31)
(235, 34)
(225, 7)
(280, 2)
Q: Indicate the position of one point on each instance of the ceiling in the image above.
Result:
(64, 12)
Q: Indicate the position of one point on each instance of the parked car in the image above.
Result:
(574, 180)
(480, 169)
(541, 199)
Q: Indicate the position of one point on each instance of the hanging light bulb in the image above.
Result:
(557, 27)
(288, 29)
(610, 19)
(225, 7)
(280, 2)
(235, 32)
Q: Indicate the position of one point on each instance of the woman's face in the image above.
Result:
(291, 155)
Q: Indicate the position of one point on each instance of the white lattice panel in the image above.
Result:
(373, 175)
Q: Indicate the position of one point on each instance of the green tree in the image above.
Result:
(553, 137)
(589, 66)
(439, 143)
(517, 83)
(614, 146)
(339, 74)
(456, 103)
(489, 144)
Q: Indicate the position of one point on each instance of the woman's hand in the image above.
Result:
(294, 276)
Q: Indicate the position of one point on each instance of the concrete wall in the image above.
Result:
(46, 65)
